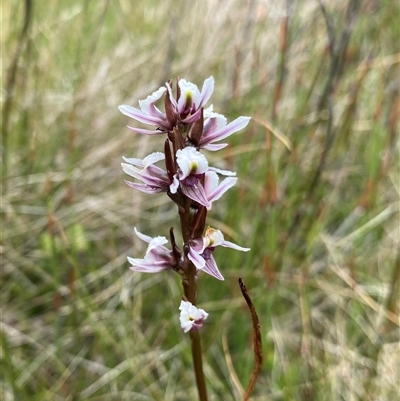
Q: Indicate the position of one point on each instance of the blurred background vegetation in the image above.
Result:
(317, 199)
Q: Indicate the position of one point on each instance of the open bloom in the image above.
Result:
(154, 179)
(190, 102)
(148, 114)
(200, 251)
(157, 258)
(213, 189)
(191, 318)
(186, 109)
(192, 164)
(216, 128)
(192, 168)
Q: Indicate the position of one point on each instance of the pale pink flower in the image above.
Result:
(192, 167)
(157, 258)
(191, 318)
(216, 128)
(148, 114)
(190, 102)
(154, 179)
(186, 109)
(200, 251)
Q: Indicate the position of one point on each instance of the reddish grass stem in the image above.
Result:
(258, 357)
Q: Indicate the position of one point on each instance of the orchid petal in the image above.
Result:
(144, 266)
(146, 131)
(228, 244)
(155, 178)
(133, 160)
(142, 236)
(147, 105)
(223, 172)
(232, 127)
(213, 121)
(144, 188)
(213, 237)
(131, 170)
(153, 158)
(171, 96)
(214, 147)
(157, 257)
(175, 184)
(192, 118)
(157, 242)
(226, 184)
(212, 269)
(189, 94)
(206, 91)
(139, 115)
(197, 260)
(152, 175)
(150, 159)
(196, 193)
(211, 181)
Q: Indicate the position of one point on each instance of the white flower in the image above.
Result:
(191, 318)
(191, 100)
(190, 161)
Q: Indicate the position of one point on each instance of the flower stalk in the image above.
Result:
(189, 283)
(192, 185)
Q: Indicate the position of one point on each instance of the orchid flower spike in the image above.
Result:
(191, 318)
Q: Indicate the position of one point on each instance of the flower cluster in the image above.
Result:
(187, 178)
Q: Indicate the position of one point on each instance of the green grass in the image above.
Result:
(317, 201)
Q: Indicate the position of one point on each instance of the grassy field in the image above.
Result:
(317, 200)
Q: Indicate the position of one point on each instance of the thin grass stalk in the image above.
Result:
(283, 46)
(336, 52)
(10, 83)
(384, 327)
(242, 49)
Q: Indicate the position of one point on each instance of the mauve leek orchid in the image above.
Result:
(186, 109)
(192, 165)
(216, 128)
(155, 179)
(190, 102)
(188, 180)
(157, 258)
(191, 318)
(191, 184)
(200, 251)
(148, 114)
